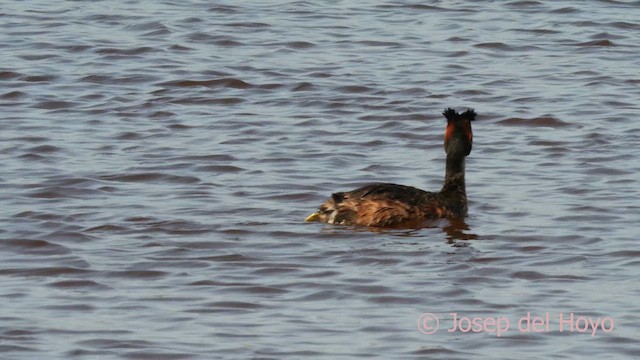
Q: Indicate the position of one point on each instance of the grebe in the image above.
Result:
(391, 205)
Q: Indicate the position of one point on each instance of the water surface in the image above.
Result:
(158, 159)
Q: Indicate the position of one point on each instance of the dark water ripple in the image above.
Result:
(158, 159)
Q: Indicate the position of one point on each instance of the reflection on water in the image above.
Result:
(457, 229)
(158, 158)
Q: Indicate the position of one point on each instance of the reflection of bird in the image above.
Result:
(391, 205)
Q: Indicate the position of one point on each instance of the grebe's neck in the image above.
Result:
(454, 177)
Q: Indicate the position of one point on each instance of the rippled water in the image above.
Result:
(158, 158)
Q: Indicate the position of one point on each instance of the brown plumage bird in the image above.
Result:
(391, 205)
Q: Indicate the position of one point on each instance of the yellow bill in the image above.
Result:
(313, 217)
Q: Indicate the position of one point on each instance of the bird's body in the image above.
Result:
(392, 205)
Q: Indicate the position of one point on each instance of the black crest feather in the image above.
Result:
(452, 115)
(469, 114)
